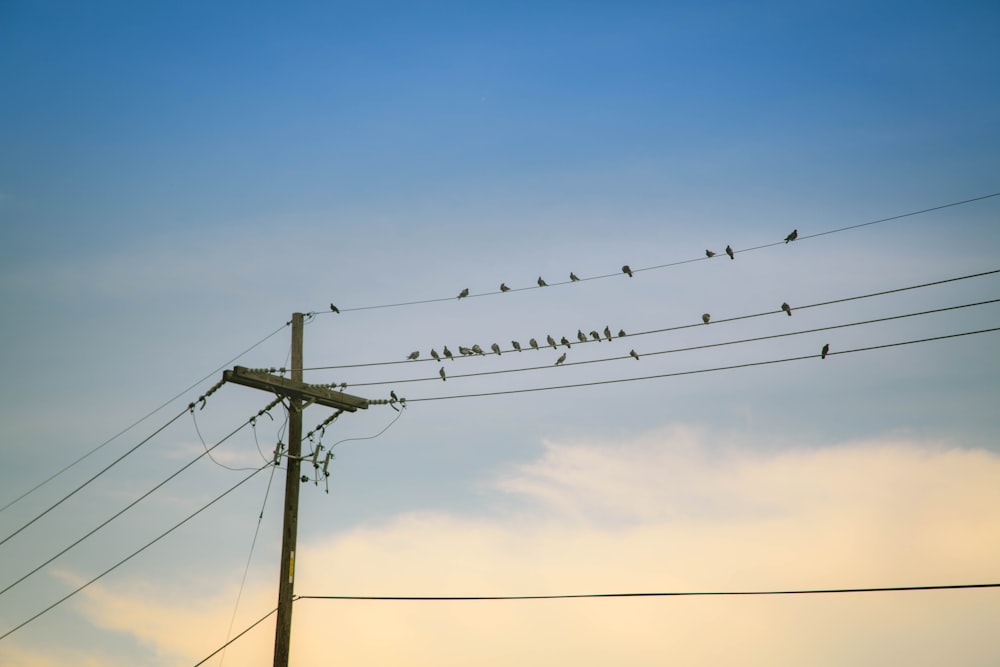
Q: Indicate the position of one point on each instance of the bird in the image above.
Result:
(561, 359)
(788, 309)
(826, 351)
(533, 343)
(791, 237)
(495, 348)
(582, 337)
(464, 351)
(504, 288)
(464, 293)
(729, 251)
(705, 318)
(565, 341)
(434, 354)
(447, 353)
(633, 355)
(572, 276)
(441, 373)
(607, 333)
(596, 336)
(478, 350)
(413, 355)
(392, 395)
(551, 341)
(334, 309)
(542, 283)
(627, 270)
(621, 333)
(709, 254)
(515, 345)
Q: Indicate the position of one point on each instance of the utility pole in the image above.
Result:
(300, 396)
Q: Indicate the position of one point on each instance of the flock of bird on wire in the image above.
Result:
(594, 335)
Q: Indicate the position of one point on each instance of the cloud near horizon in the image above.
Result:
(679, 509)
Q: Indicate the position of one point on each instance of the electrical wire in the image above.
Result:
(99, 473)
(683, 349)
(141, 419)
(670, 264)
(699, 324)
(699, 371)
(577, 596)
(131, 504)
(209, 451)
(134, 553)
(245, 630)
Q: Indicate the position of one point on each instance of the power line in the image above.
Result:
(577, 596)
(245, 630)
(135, 553)
(699, 371)
(691, 348)
(136, 501)
(671, 264)
(141, 419)
(700, 324)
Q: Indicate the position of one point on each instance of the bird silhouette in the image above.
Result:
(447, 353)
(441, 372)
(565, 342)
(495, 348)
(413, 355)
(607, 333)
(533, 343)
(478, 350)
(434, 354)
(504, 288)
(621, 333)
(542, 283)
(464, 351)
(551, 341)
(705, 318)
(561, 359)
(580, 336)
(627, 270)
(709, 254)
(464, 293)
(788, 309)
(572, 276)
(826, 351)
(596, 336)
(633, 355)
(392, 395)
(791, 237)
(729, 251)
(334, 309)
(515, 345)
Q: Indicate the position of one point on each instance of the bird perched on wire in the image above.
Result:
(464, 293)
(464, 351)
(621, 333)
(434, 354)
(542, 283)
(447, 353)
(551, 341)
(632, 354)
(334, 309)
(826, 351)
(392, 395)
(565, 341)
(709, 254)
(533, 343)
(705, 318)
(441, 372)
(607, 333)
(580, 336)
(626, 270)
(561, 359)
(478, 350)
(413, 355)
(515, 345)
(788, 309)
(572, 276)
(791, 237)
(495, 348)
(729, 251)
(504, 288)
(596, 336)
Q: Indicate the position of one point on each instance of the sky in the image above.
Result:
(178, 178)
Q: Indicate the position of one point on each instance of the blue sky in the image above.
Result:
(176, 179)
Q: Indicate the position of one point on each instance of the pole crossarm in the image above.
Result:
(297, 390)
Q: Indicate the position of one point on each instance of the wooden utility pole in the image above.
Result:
(296, 391)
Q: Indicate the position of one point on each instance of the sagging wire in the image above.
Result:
(315, 437)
